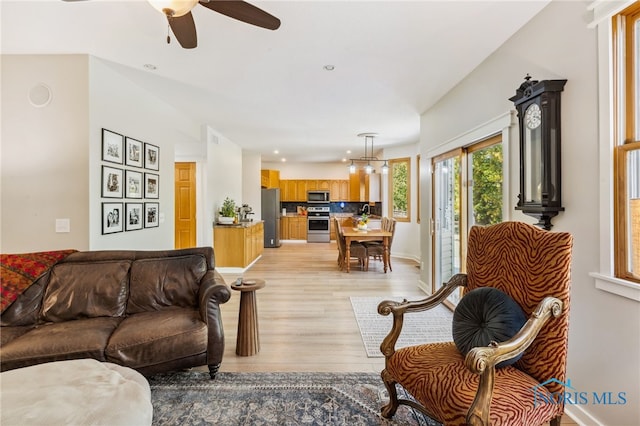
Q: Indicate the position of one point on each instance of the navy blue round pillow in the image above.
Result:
(483, 315)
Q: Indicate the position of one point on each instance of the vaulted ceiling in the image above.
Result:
(268, 90)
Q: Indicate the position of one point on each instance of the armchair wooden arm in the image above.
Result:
(398, 309)
(482, 360)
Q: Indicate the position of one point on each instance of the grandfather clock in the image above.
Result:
(538, 106)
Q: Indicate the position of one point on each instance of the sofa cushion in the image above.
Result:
(165, 282)
(151, 338)
(483, 315)
(86, 290)
(84, 338)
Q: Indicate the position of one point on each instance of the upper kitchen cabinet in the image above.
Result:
(269, 178)
(364, 187)
(293, 190)
(339, 190)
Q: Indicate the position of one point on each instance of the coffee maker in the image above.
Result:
(245, 212)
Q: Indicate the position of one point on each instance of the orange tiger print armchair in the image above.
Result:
(530, 265)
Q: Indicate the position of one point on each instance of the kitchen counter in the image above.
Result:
(239, 225)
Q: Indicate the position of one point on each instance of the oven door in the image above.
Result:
(317, 224)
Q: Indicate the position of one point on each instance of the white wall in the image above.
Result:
(117, 104)
(251, 180)
(44, 150)
(309, 170)
(603, 342)
(406, 241)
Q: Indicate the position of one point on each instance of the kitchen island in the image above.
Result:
(238, 245)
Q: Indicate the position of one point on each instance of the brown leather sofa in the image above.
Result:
(152, 311)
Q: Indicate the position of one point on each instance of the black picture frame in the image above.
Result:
(112, 218)
(151, 215)
(151, 185)
(133, 184)
(112, 147)
(133, 152)
(151, 157)
(134, 216)
(112, 182)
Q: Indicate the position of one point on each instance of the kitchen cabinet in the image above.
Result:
(296, 189)
(364, 187)
(339, 190)
(238, 245)
(293, 190)
(270, 178)
(301, 190)
(284, 228)
(293, 228)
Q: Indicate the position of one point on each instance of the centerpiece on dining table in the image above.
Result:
(362, 222)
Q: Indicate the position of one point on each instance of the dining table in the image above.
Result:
(355, 234)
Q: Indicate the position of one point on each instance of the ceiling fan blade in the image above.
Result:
(184, 29)
(243, 11)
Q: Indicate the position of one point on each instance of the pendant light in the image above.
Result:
(368, 157)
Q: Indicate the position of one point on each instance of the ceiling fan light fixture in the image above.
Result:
(173, 8)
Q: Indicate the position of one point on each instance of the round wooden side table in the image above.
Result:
(248, 340)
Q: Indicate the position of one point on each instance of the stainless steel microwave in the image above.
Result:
(317, 196)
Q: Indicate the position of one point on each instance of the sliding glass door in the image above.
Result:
(467, 190)
(446, 218)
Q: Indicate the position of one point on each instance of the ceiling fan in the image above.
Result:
(178, 13)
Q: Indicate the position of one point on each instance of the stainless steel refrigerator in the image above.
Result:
(271, 216)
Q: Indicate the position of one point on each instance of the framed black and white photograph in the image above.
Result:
(112, 182)
(112, 218)
(133, 156)
(151, 185)
(134, 215)
(151, 213)
(151, 157)
(133, 182)
(112, 146)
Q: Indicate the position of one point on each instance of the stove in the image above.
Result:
(318, 227)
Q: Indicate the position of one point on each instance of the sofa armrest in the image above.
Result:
(213, 292)
(483, 360)
(398, 309)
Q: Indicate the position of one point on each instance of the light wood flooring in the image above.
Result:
(306, 321)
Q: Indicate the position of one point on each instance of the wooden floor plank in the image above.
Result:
(306, 322)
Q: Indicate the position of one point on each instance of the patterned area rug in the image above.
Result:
(429, 326)
(315, 399)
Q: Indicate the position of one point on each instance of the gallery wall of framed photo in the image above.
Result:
(130, 183)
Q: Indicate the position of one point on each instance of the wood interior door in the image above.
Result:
(185, 205)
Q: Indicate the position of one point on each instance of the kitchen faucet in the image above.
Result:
(365, 206)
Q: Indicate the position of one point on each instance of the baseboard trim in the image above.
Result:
(581, 416)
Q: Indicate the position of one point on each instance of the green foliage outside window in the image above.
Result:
(487, 185)
(400, 188)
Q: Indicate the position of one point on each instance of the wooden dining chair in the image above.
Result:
(356, 250)
(375, 249)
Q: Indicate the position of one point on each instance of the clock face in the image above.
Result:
(532, 116)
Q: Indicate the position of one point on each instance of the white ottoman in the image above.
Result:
(77, 392)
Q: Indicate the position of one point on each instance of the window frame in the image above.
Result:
(625, 131)
(392, 164)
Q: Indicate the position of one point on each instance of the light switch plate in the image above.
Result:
(63, 225)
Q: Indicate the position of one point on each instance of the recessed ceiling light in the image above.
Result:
(284, 160)
(329, 67)
(150, 67)
(348, 151)
(275, 151)
(344, 160)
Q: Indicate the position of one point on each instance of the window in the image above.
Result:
(626, 44)
(467, 190)
(400, 189)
